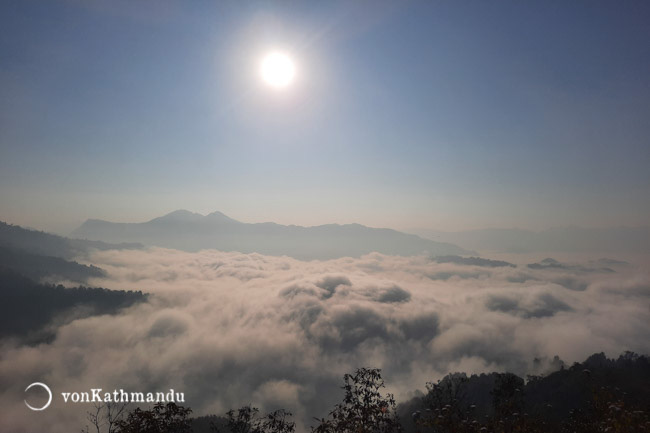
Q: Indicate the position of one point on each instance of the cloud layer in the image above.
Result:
(229, 329)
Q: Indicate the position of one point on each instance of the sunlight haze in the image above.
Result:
(404, 115)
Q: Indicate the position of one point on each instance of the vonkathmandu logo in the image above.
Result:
(95, 395)
(49, 393)
(98, 395)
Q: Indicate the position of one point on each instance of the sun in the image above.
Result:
(277, 70)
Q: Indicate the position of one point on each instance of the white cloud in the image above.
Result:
(230, 329)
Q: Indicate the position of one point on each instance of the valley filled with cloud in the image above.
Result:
(229, 329)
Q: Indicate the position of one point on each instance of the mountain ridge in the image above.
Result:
(558, 239)
(189, 231)
(47, 244)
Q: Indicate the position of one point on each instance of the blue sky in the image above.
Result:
(434, 115)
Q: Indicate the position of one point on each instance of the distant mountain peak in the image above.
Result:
(186, 216)
(182, 213)
(179, 216)
(219, 216)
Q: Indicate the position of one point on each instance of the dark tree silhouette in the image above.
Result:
(247, 420)
(241, 421)
(163, 418)
(600, 395)
(27, 307)
(445, 404)
(508, 397)
(364, 409)
(105, 417)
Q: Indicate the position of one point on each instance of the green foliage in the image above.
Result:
(364, 409)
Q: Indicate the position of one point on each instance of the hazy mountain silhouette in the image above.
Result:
(41, 243)
(43, 256)
(39, 267)
(473, 261)
(567, 239)
(27, 307)
(189, 231)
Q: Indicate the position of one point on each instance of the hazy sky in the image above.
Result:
(441, 115)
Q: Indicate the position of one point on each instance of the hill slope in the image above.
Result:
(46, 244)
(31, 312)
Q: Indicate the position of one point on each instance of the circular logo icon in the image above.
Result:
(46, 388)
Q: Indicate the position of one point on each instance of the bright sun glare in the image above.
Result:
(278, 70)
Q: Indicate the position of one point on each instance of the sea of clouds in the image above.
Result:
(229, 329)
